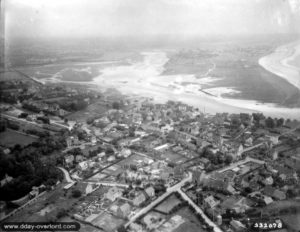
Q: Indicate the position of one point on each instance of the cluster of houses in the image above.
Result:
(117, 201)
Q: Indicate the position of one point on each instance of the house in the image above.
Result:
(111, 158)
(113, 193)
(2, 209)
(89, 188)
(267, 200)
(294, 162)
(268, 181)
(83, 165)
(6, 151)
(69, 160)
(93, 140)
(249, 142)
(269, 191)
(279, 195)
(211, 202)
(6, 180)
(79, 158)
(150, 191)
(34, 192)
(239, 151)
(136, 227)
(72, 141)
(237, 225)
(62, 112)
(139, 199)
(178, 172)
(124, 210)
(162, 148)
(125, 152)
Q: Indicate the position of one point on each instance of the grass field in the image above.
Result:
(173, 157)
(107, 221)
(292, 221)
(11, 75)
(83, 227)
(192, 224)
(46, 207)
(10, 138)
(92, 111)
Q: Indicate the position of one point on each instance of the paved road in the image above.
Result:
(159, 199)
(107, 184)
(33, 123)
(234, 165)
(252, 147)
(67, 175)
(197, 208)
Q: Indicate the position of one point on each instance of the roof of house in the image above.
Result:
(269, 190)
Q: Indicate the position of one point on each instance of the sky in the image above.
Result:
(185, 18)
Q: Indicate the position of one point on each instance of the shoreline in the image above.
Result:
(145, 78)
(278, 63)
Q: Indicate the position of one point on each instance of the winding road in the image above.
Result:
(67, 175)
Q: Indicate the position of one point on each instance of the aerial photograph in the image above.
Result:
(150, 115)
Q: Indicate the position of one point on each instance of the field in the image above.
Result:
(133, 159)
(113, 170)
(191, 224)
(83, 227)
(71, 65)
(167, 205)
(11, 75)
(173, 157)
(10, 138)
(46, 207)
(107, 222)
(292, 221)
(153, 219)
(288, 211)
(94, 110)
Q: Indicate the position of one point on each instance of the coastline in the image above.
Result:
(278, 63)
(146, 78)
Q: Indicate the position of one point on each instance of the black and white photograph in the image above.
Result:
(150, 115)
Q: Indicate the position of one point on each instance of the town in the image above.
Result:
(111, 162)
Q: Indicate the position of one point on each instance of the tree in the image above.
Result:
(257, 116)
(280, 122)
(116, 105)
(61, 213)
(131, 131)
(76, 193)
(228, 159)
(122, 229)
(90, 121)
(3, 125)
(270, 122)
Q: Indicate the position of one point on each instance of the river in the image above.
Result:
(144, 78)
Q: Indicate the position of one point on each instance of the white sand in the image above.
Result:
(277, 63)
(143, 78)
